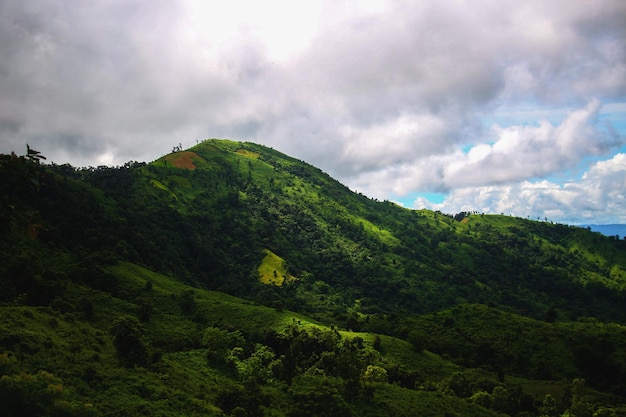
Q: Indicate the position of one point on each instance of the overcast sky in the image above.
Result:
(515, 107)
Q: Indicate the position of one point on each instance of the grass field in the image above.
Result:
(272, 270)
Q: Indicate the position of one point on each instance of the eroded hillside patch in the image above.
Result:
(185, 160)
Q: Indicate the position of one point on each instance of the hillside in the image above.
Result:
(231, 279)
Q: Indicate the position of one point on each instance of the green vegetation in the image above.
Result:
(141, 289)
(273, 271)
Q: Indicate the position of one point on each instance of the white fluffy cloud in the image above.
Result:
(391, 97)
(522, 152)
(598, 196)
(516, 153)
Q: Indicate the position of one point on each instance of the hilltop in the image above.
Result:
(243, 270)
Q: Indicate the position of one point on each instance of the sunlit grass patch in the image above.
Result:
(383, 235)
(273, 271)
(161, 186)
(249, 154)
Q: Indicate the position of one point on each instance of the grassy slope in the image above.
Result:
(80, 351)
(80, 355)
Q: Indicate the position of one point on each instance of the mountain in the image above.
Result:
(231, 279)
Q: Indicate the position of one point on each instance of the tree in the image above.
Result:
(27, 394)
(219, 342)
(129, 346)
(33, 155)
(187, 302)
(579, 407)
(377, 344)
(417, 339)
(502, 401)
(456, 384)
(482, 398)
(145, 309)
(86, 307)
(259, 368)
(550, 407)
(319, 397)
(375, 373)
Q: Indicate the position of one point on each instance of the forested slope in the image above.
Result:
(124, 273)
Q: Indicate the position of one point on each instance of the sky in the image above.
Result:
(514, 107)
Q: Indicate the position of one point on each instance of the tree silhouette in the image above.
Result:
(129, 346)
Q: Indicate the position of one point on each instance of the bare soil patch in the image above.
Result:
(183, 159)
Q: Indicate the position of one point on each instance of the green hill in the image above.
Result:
(231, 279)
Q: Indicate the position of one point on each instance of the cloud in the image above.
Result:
(394, 141)
(388, 96)
(526, 152)
(599, 195)
(518, 153)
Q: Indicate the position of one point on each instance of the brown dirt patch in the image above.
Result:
(183, 159)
